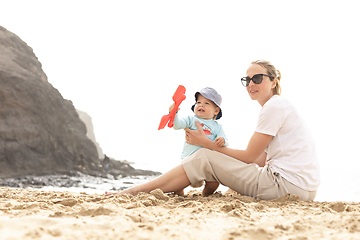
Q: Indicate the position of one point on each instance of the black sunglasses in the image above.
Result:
(257, 79)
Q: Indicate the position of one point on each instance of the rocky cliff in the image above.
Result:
(90, 131)
(40, 132)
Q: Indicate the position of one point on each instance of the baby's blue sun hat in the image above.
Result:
(212, 95)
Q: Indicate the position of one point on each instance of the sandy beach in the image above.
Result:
(33, 214)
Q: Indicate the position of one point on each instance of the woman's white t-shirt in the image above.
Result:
(291, 152)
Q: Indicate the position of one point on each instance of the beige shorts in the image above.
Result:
(246, 179)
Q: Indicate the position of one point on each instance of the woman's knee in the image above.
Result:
(208, 155)
(200, 154)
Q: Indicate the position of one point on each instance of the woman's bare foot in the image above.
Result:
(108, 194)
(131, 191)
(172, 180)
(209, 188)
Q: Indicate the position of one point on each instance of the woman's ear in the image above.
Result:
(274, 83)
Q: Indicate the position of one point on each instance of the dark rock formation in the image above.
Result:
(40, 132)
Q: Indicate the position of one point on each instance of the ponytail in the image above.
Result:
(277, 89)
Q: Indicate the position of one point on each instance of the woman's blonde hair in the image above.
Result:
(272, 71)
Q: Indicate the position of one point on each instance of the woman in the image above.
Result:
(279, 159)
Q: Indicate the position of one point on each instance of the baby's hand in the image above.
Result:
(172, 107)
(219, 141)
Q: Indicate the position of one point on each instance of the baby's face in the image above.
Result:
(205, 108)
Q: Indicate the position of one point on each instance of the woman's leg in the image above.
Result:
(171, 181)
(213, 166)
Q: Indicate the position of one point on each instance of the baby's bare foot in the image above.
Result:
(209, 188)
(180, 192)
(207, 192)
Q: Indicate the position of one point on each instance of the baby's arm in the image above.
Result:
(179, 123)
(219, 141)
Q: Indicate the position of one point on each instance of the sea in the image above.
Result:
(336, 185)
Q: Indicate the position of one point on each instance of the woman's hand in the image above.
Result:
(196, 137)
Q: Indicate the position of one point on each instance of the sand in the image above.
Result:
(33, 214)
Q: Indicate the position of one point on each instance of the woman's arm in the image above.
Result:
(253, 153)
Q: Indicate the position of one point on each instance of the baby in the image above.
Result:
(207, 110)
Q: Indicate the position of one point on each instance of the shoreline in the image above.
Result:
(36, 214)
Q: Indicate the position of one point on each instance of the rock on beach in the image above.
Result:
(41, 133)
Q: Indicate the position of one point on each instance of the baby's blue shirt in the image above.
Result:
(211, 128)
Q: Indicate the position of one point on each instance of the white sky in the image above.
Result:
(121, 61)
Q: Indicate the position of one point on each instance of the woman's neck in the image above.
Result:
(263, 101)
